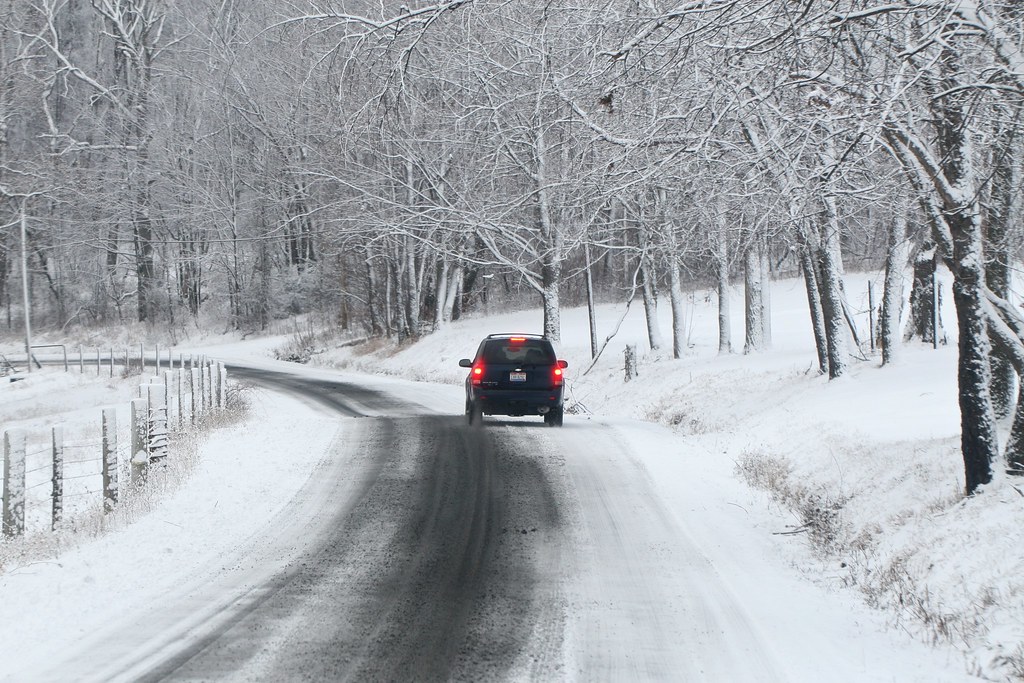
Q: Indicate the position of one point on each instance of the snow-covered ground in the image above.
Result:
(51, 397)
(240, 482)
(868, 467)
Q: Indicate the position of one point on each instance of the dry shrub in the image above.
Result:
(820, 512)
(765, 472)
(300, 347)
(888, 583)
(896, 587)
(370, 346)
(1014, 663)
(679, 415)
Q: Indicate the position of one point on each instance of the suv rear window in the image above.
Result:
(527, 352)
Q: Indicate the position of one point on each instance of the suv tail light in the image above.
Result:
(557, 376)
(477, 373)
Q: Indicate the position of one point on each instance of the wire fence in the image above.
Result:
(45, 484)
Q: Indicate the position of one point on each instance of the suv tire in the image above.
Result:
(553, 418)
(475, 415)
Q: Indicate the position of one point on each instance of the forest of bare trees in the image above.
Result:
(394, 166)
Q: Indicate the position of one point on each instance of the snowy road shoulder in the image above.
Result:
(734, 527)
(683, 532)
(246, 474)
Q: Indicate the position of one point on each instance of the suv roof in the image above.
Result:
(509, 335)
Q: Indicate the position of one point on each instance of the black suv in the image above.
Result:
(515, 374)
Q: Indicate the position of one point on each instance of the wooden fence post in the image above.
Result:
(81, 360)
(207, 387)
(140, 437)
(170, 400)
(184, 399)
(214, 377)
(157, 366)
(215, 384)
(197, 394)
(871, 313)
(223, 385)
(58, 477)
(99, 361)
(631, 370)
(142, 359)
(110, 484)
(14, 483)
(157, 432)
(111, 361)
(179, 388)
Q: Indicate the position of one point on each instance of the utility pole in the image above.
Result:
(24, 285)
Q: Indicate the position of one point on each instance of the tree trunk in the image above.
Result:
(591, 311)
(1015, 443)
(373, 298)
(722, 277)
(552, 245)
(394, 320)
(133, 63)
(109, 283)
(263, 286)
(650, 294)
(344, 307)
(649, 282)
(142, 227)
(922, 296)
(5, 272)
(440, 293)
(807, 263)
(831, 285)
(411, 298)
(144, 270)
(470, 277)
(892, 296)
(454, 292)
(1004, 385)
(1006, 213)
(678, 311)
(552, 276)
(978, 441)
(1006, 328)
(753, 287)
(766, 294)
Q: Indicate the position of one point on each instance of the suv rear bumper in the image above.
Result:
(519, 402)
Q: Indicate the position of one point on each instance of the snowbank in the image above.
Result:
(866, 470)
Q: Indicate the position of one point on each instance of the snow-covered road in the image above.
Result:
(419, 548)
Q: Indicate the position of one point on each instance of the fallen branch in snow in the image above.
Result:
(577, 406)
(632, 295)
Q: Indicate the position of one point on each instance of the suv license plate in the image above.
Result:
(517, 377)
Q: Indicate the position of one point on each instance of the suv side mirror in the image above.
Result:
(563, 364)
(465, 363)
